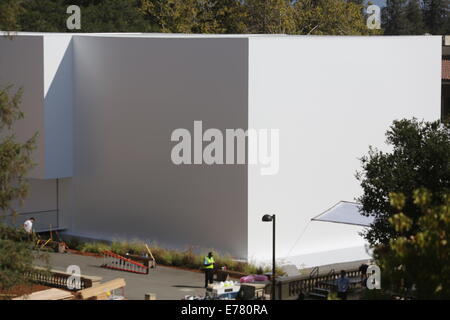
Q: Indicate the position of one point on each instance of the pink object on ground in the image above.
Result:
(247, 279)
(261, 277)
(253, 278)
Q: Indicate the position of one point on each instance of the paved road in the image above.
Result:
(166, 283)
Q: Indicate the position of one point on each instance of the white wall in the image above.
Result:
(42, 66)
(58, 101)
(40, 203)
(130, 94)
(22, 65)
(331, 97)
(110, 104)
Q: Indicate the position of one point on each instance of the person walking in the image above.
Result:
(208, 265)
(343, 284)
(28, 227)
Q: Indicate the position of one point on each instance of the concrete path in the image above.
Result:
(166, 283)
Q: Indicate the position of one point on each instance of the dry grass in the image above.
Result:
(169, 257)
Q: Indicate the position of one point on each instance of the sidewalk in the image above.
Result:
(167, 283)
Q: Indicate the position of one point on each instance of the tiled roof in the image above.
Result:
(445, 69)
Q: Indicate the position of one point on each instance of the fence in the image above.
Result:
(59, 279)
(290, 287)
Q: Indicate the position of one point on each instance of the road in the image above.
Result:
(167, 283)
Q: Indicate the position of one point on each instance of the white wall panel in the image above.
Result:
(331, 97)
(22, 65)
(131, 93)
(58, 101)
(106, 106)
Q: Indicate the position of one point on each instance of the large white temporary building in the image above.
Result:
(106, 105)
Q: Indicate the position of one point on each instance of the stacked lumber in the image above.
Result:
(49, 294)
(101, 291)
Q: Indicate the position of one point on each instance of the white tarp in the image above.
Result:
(345, 212)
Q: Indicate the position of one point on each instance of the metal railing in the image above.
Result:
(291, 287)
(56, 279)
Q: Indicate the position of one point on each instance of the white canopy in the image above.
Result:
(345, 212)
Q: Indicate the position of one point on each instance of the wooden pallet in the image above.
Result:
(49, 294)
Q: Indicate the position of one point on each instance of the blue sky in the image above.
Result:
(380, 3)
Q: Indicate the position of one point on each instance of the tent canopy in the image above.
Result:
(345, 212)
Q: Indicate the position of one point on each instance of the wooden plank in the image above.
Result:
(102, 296)
(102, 288)
(148, 249)
(49, 294)
(150, 296)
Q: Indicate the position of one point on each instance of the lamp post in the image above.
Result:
(271, 218)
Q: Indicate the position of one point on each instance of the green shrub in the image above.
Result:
(177, 258)
(94, 247)
(74, 243)
(191, 260)
(16, 257)
(165, 258)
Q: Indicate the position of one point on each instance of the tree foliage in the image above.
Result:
(437, 16)
(334, 17)
(330, 17)
(10, 11)
(270, 17)
(416, 17)
(15, 160)
(16, 257)
(417, 262)
(419, 159)
(96, 16)
(337, 17)
(15, 156)
(185, 16)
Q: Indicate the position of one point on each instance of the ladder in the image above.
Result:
(118, 262)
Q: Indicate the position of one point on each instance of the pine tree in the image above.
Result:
(394, 20)
(15, 157)
(437, 16)
(269, 16)
(16, 256)
(414, 16)
(9, 14)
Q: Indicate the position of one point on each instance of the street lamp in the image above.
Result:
(271, 218)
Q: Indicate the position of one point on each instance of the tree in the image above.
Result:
(16, 258)
(96, 16)
(178, 16)
(43, 16)
(330, 17)
(419, 159)
(270, 16)
(9, 14)
(15, 157)
(196, 16)
(437, 16)
(231, 16)
(15, 160)
(415, 24)
(418, 264)
(394, 20)
(114, 16)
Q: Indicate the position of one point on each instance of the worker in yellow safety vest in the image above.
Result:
(208, 265)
